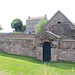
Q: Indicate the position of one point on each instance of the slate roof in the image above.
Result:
(60, 17)
(60, 25)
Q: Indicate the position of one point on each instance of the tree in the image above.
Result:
(38, 27)
(1, 28)
(23, 28)
(17, 25)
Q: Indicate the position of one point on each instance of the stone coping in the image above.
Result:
(68, 40)
(20, 38)
(24, 38)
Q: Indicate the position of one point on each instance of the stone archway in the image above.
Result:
(52, 39)
(46, 51)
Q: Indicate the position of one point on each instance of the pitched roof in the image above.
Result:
(60, 25)
(36, 18)
(59, 17)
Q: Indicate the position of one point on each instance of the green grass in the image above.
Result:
(21, 65)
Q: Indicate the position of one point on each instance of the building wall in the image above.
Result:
(30, 26)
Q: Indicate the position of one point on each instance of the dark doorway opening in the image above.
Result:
(46, 52)
(58, 22)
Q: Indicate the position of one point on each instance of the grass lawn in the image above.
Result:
(22, 65)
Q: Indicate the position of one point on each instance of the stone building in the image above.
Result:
(57, 42)
(31, 22)
(58, 39)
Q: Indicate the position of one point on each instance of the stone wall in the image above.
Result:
(25, 47)
(67, 50)
(20, 44)
(54, 54)
(30, 46)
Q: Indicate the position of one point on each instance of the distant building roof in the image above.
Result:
(34, 18)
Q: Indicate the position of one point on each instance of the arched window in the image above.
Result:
(59, 22)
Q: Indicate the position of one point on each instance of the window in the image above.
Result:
(34, 26)
(30, 26)
(30, 30)
(27, 30)
(30, 21)
(27, 26)
(33, 21)
(37, 21)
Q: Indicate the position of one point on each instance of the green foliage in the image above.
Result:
(23, 28)
(17, 25)
(23, 65)
(38, 27)
(1, 28)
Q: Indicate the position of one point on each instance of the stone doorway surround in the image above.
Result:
(53, 39)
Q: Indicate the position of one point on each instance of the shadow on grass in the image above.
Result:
(25, 58)
(58, 64)
(63, 64)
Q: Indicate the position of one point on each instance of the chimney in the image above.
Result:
(45, 16)
(28, 17)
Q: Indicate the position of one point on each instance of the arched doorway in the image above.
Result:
(46, 51)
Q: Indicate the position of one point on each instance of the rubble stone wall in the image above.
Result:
(21, 46)
(60, 50)
(67, 51)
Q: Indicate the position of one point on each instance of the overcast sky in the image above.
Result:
(11, 9)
